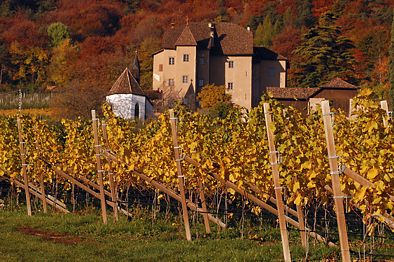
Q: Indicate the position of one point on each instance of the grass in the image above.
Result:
(82, 237)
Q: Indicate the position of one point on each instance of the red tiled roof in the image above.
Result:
(230, 39)
(306, 93)
(234, 39)
(339, 83)
(186, 38)
(291, 92)
(126, 84)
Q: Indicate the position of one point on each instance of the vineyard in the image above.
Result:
(272, 157)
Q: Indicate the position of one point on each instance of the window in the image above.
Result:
(161, 68)
(230, 85)
(171, 61)
(186, 58)
(230, 64)
(185, 79)
(137, 111)
(201, 60)
(200, 82)
(171, 82)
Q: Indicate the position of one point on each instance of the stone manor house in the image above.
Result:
(197, 54)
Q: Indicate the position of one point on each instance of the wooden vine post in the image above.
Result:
(112, 183)
(42, 186)
(351, 107)
(97, 148)
(300, 216)
(22, 151)
(278, 188)
(338, 195)
(181, 178)
(385, 107)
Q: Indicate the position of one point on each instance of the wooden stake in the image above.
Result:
(59, 172)
(181, 178)
(302, 229)
(22, 151)
(97, 148)
(42, 186)
(278, 188)
(204, 206)
(42, 190)
(389, 220)
(272, 199)
(36, 192)
(167, 191)
(385, 107)
(114, 193)
(338, 196)
(361, 180)
(177, 197)
(350, 108)
(260, 203)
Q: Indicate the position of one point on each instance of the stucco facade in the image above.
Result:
(130, 106)
(200, 53)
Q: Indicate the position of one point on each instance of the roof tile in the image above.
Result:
(339, 83)
(126, 84)
(291, 92)
(186, 38)
(230, 39)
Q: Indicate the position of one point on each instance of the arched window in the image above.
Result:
(137, 111)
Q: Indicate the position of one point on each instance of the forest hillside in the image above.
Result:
(82, 46)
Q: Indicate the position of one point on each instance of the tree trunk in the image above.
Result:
(1, 73)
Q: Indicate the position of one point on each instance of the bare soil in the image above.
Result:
(51, 236)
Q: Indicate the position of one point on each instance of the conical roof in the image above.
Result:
(126, 84)
(186, 38)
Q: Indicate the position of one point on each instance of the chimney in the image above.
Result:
(211, 28)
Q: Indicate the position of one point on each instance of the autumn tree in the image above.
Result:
(87, 18)
(132, 5)
(29, 63)
(324, 54)
(93, 71)
(64, 55)
(3, 61)
(23, 31)
(211, 95)
(287, 41)
(214, 100)
(391, 64)
(145, 51)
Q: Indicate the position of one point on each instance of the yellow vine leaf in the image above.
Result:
(372, 173)
(296, 186)
(298, 200)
